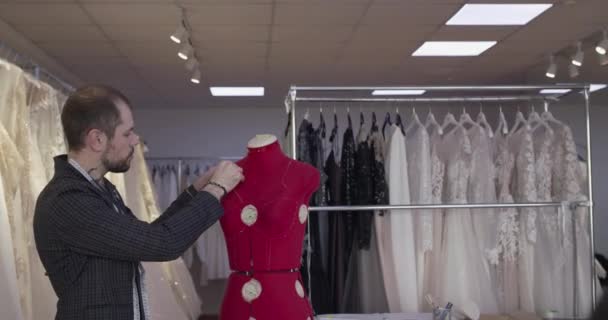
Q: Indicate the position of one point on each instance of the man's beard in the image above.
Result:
(119, 166)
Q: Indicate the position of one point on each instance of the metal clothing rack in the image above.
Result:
(358, 94)
(28, 65)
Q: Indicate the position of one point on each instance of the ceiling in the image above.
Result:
(275, 43)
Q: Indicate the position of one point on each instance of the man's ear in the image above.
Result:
(96, 140)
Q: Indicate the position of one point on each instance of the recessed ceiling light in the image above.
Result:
(597, 86)
(237, 91)
(453, 48)
(497, 14)
(554, 91)
(398, 92)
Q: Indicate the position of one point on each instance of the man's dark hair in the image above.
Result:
(91, 107)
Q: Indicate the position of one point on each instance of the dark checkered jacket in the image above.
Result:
(90, 251)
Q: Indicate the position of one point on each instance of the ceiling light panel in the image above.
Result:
(237, 91)
(398, 92)
(453, 48)
(554, 91)
(497, 14)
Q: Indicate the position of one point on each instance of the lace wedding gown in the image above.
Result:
(419, 172)
(525, 191)
(437, 182)
(42, 106)
(9, 298)
(463, 273)
(482, 189)
(504, 257)
(14, 117)
(401, 225)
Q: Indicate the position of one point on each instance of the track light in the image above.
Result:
(602, 46)
(196, 76)
(180, 34)
(192, 64)
(185, 51)
(577, 59)
(603, 59)
(573, 71)
(552, 69)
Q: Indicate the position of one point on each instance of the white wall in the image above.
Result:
(205, 132)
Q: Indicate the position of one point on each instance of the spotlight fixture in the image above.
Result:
(192, 64)
(180, 34)
(603, 59)
(602, 46)
(577, 59)
(552, 69)
(573, 71)
(185, 51)
(196, 76)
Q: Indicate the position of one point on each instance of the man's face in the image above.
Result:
(119, 152)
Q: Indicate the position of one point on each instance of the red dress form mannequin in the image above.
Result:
(264, 224)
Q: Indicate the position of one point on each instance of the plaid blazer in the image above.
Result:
(90, 251)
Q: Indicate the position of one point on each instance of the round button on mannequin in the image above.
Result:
(264, 225)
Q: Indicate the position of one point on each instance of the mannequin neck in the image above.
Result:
(269, 156)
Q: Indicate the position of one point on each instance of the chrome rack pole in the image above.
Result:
(445, 88)
(450, 206)
(591, 204)
(293, 95)
(431, 99)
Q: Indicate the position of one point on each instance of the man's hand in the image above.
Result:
(227, 175)
(203, 179)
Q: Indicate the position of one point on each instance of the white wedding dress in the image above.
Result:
(14, 117)
(419, 172)
(525, 191)
(401, 225)
(43, 108)
(504, 257)
(482, 189)
(9, 295)
(463, 273)
(437, 186)
(567, 185)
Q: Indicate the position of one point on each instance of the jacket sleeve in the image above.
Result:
(177, 204)
(90, 226)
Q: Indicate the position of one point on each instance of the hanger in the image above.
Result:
(350, 121)
(334, 131)
(483, 122)
(548, 116)
(519, 120)
(431, 121)
(415, 121)
(465, 119)
(450, 120)
(535, 121)
(387, 121)
(361, 118)
(321, 123)
(503, 126)
(398, 121)
(374, 124)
